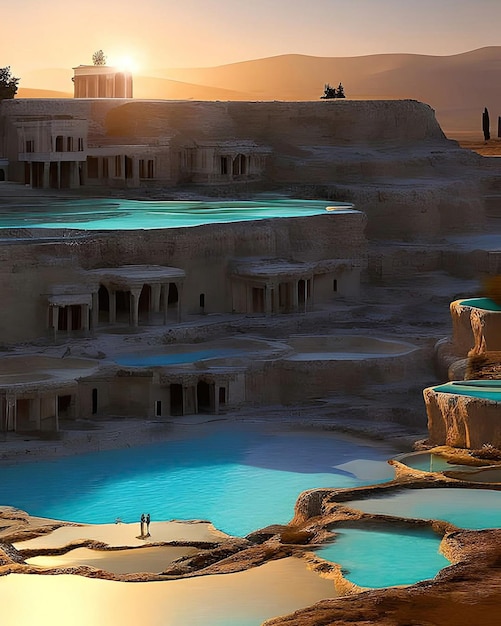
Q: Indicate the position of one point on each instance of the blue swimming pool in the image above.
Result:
(384, 558)
(239, 478)
(117, 214)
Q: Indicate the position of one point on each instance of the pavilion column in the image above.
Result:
(179, 287)
(275, 299)
(166, 289)
(56, 413)
(267, 299)
(312, 293)
(10, 411)
(155, 298)
(46, 175)
(134, 307)
(95, 310)
(85, 317)
(295, 296)
(36, 404)
(55, 320)
(113, 306)
(69, 319)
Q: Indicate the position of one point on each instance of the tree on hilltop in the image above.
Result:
(486, 125)
(8, 83)
(329, 92)
(332, 92)
(99, 58)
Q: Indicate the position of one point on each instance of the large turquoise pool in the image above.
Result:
(240, 478)
(116, 214)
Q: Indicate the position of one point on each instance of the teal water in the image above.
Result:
(241, 479)
(152, 360)
(482, 303)
(384, 558)
(484, 391)
(115, 214)
(472, 509)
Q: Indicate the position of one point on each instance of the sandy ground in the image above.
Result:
(118, 535)
(240, 599)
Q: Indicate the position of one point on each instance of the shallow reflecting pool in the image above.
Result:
(118, 214)
(384, 558)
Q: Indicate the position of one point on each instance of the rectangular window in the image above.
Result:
(151, 173)
(105, 167)
(30, 145)
(80, 144)
(142, 170)
(69, 144)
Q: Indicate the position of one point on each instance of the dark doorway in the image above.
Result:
(2, 176)
(301, 291)
(94, 401)
(158, 408)
(222, 396)
(176, 399)
(145, 302)
(64, 407)
(103, 298)
(123, 306)
(257, 300)
(205, 394)
(173, 294)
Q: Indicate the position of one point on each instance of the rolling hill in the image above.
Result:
(458, 87)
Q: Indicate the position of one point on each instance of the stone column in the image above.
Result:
(85, 317)
(267, 299)
(166, 289)
(155, 298)
(179, 301)
(46, 175)
(113, 306)
(295, 296)
(134, 306)
(55, 320)
(69, 319)
(95, 310)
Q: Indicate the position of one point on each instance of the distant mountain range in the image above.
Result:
(458, 87)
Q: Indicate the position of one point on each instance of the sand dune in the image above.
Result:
(458, 87)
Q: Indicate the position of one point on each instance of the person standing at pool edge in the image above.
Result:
(143, 522)
(147, 524)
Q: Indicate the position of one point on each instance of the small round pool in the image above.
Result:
(484, 389)
(481, 303)
(185, 354)
(429, 462)
(344, 347)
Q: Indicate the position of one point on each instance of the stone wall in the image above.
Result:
(29, 268)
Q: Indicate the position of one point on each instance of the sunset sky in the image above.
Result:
(200, 33)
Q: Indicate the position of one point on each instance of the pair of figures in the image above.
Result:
(145, 525)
